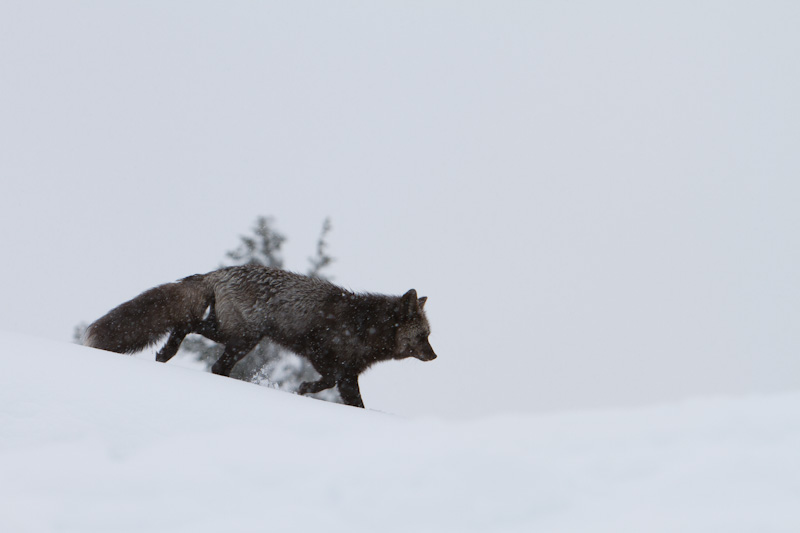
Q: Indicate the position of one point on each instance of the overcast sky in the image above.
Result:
(599, 199)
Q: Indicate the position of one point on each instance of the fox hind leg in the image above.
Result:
(323, 383)
(209, 327)
(234, 352)
(170, 348)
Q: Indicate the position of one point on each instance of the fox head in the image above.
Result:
(413, 329)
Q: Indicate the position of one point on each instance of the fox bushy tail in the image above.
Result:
(142, 321)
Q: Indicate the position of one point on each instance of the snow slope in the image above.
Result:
(94, 441)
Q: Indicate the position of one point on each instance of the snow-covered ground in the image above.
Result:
(94, 441)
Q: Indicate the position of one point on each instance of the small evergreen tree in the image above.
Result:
(320, 261)
(263, 248)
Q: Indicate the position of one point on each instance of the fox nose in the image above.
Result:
(428, 355)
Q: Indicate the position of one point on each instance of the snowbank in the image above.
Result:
(94, 441)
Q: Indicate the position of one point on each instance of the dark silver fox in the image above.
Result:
(340, 332)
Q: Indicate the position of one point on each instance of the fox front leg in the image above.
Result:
(349, 391)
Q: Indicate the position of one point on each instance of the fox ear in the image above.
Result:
(410, 304)
(422, 301)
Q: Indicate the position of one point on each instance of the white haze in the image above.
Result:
(599, 199)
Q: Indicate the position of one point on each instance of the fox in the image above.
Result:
(341, 333)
